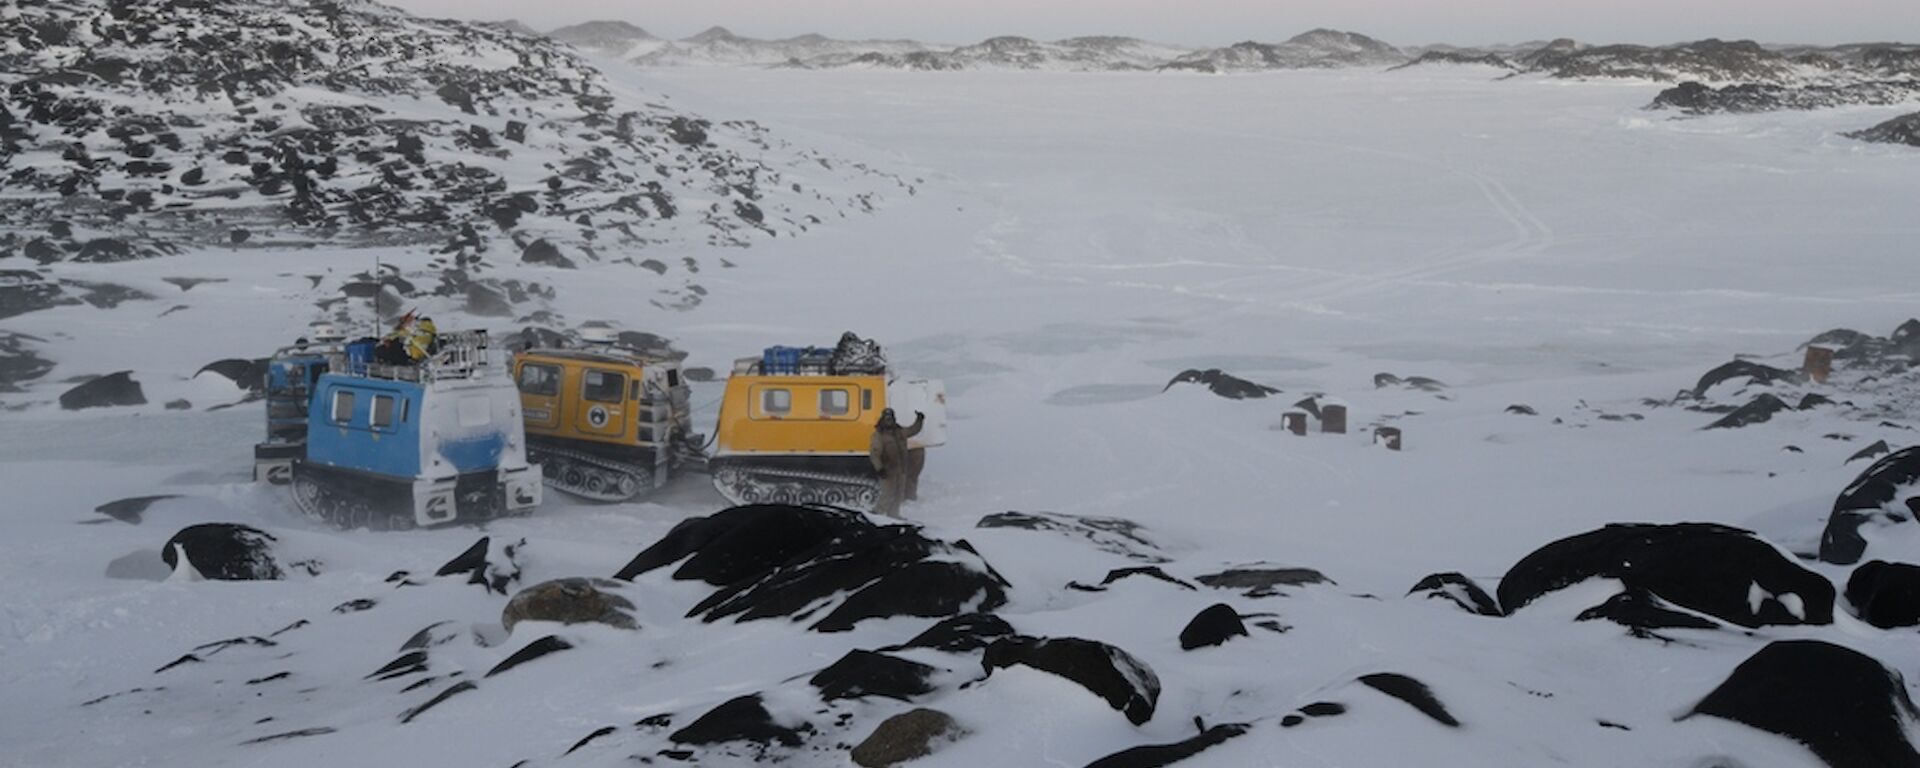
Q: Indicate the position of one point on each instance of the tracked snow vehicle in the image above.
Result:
(795, 424)
(605, 422)
(394, 446)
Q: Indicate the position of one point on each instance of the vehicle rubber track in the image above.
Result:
(779, 485)
(343, 507)
(590, 477)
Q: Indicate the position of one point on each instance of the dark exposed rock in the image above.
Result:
(1117, 574)
(410, 662)
(590, 738)
(225, 551)
(1757, 411)
(1886, 595)
(1753, 372)
(741, 719)
(299, 734)
(1111, 534)
(907, 736)
(774, 560)
(130, 510)
(1212, 626)
(1879, 448)
(113, 389)
(1700, 99)
(1126, 683)
(246, 374)
(962, 633)
(437, 700)
(1415, 693)
(19, 363)
(571, 601)
(490, 566)
(356, 606)
(1261, 580)
(1887, 493)
(1460, 590)
(1642, 613)
(544, 252)
(1813, 400)
(1847, 707)
(1904, 130)
(1223, 384)
(542, 647)
(860, 674)
(1160, 755)
(1720, 571)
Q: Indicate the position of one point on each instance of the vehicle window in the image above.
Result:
(382, 417)
(835, 402)
(342, 406)
(673, 377)
(776, 402)
(541, 380)
(604, 386)
(866, 399)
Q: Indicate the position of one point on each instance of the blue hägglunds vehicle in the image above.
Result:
(364, 444)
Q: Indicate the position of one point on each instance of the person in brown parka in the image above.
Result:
(899, 470)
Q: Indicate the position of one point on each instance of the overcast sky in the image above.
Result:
(1216, 22)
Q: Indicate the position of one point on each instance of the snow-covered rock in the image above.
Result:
(142, 128)
(1716, 570)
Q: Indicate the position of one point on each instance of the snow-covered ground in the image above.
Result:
(1074, 241)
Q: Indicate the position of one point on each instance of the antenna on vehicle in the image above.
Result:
(379, 285)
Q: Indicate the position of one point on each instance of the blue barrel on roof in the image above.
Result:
(360, 355)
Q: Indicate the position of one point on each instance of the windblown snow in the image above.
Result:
(1539, 265)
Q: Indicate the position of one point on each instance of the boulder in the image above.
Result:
(571, 601)
(1759, 410)
(1886, 494)
(131, 510)
(1642, 613)
(545, 253)
(245, 374)
(1459, 590)
(114, 389)
(19, 363)
(1416, 694)
(1120, 574)
(545, 646)
(1712, 569)
(1223, 384)
(1110, 534)
(1847, 707)
(860, 674)
(1160, 755)
(742, 719)
(225, 552)
(494, 567)
(907, 736)
(1263, 579)
(1214, 625)
(1886, 595)
(1755, 373)
(1126, 683)
(1522, 410)
(1879, 448)
(962, 633)
(775, 560)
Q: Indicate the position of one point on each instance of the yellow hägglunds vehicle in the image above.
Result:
(795, 424)
(607, 423)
